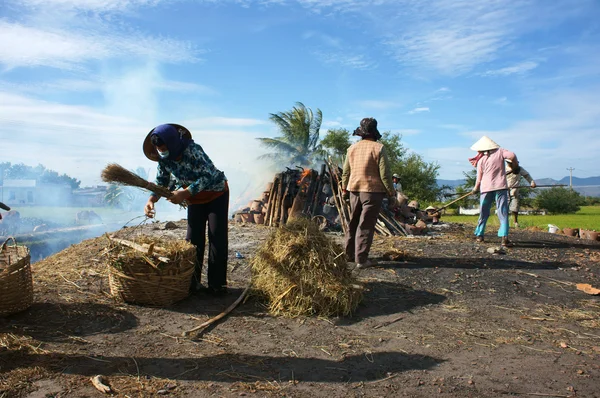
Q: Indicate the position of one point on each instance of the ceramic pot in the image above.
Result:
(583, 233)
(237, 217)
(265, 197)
(570, 231)
(259, 218)
(592, 235)
(248, 217)
(256, 206)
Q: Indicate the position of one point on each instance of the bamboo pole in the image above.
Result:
(271, 199)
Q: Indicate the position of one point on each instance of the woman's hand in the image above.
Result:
(149, 209)
(179, 196)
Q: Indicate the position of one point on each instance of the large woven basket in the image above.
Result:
(16, 283)
(142, 278)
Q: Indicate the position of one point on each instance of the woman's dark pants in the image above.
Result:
(215, 214)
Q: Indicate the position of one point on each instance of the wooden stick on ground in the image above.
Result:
(221, 315)
(143, 249)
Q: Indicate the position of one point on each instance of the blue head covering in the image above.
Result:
(173, 139)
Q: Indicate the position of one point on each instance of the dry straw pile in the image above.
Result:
(155, 272)
(302, 272)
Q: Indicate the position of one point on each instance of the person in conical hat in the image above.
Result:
(186, 170)
(491, 182)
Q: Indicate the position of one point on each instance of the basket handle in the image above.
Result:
(3, 247)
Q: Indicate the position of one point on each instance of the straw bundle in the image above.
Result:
(303, 272)
(117, 174)
(143, 272)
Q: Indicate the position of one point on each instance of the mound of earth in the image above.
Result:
(442, 315)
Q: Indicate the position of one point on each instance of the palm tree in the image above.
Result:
(299, 140)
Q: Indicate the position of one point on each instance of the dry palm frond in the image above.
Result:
(117, 174)
(303, 272)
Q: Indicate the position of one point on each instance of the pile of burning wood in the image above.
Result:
(296, 193)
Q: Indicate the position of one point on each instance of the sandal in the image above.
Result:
(479, 239)
(506, 242)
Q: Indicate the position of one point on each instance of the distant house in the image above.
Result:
(89, 196)
(33, 193)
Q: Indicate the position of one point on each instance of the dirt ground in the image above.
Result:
(441, 316)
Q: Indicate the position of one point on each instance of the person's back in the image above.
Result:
(364, 159)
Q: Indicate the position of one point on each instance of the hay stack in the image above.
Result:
(303, 272)
(158, 276)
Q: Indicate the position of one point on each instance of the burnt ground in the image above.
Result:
(446, 319)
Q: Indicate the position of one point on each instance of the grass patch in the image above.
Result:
(588, 217)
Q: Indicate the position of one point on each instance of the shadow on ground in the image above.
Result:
(471, 263)
(65, 321)
(387, 298)
(228, 367)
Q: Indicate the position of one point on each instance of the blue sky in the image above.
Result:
(83, 81)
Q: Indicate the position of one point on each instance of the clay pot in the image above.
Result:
(570, 231)
(248, 217)
(256, 206)
(592, 235)
(265, 197)
(583, 233)
(237, 217)
(259, 218)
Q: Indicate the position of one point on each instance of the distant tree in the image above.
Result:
(335, 143)
(591, 201)
(470, 179)
(298, 144)
(418, 177)
(39, 173)
(559, 200)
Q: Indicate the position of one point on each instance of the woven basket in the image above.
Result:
(134, 280)
(16, 283)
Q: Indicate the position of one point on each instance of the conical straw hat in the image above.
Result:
(484, 144)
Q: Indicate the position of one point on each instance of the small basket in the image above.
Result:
(16, 283)
(141, 278)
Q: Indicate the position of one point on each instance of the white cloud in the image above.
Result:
(81, 140)
(419, 110)
(87, 5)
(68, 49)
(346, 59)
(563, 134)
(379, 104)
(518, 69)
(218, 121)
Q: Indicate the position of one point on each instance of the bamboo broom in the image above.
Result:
(117, 174)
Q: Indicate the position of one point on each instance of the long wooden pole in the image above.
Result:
(221, 315)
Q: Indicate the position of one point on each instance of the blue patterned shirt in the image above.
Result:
(195, 171)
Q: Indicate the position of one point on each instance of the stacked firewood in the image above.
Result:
(295, 193)
(299, 192)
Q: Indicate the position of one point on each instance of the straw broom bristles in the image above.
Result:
(117, 174)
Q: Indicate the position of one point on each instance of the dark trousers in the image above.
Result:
(215, 213)
(364, 211)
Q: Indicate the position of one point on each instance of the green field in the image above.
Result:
(586, 218)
